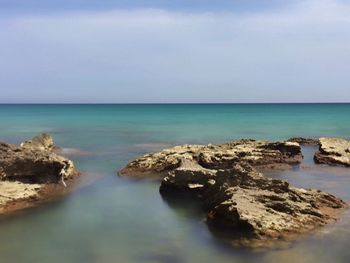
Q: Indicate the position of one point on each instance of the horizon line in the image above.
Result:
(162, 103)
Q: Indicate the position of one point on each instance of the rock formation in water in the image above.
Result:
(261, 154)
(333, 151)
(30, 172)
(235, 196)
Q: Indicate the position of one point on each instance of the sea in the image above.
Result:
(112, 219)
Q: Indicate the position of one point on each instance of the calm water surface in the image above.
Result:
(116, 220)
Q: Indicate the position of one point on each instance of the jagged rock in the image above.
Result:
(242, 199)
(333, 151)
(304, 141)
(261, 154)
(26, 169)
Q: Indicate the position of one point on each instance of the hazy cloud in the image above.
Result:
(300, 53)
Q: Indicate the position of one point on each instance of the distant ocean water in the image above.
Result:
(117, 220)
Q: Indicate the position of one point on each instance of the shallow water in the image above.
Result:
(122, 220)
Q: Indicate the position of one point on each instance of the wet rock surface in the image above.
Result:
(333, 151)
(29, 170)
(253, 210)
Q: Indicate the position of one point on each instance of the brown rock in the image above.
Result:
(253, 210)
(43, 141)
(34, 161)
(31, 173)
(333, 151)
(265, 211)
(258, 153)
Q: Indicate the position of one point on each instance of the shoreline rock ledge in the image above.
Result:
(251, 210)
(32, 173)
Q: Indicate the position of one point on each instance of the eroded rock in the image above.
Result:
(261, 154)
(333, 151)
(34, 161)
(27, 169)
(241, 199)
(255, 210)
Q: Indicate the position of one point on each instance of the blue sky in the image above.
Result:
(174, 51)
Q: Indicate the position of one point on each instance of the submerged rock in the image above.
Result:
(253, 210)
(26, 169)
(333, 151)
(262, 154)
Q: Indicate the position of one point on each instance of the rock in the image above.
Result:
(27, 169)
(333, 151)
(253, 210)
(262, 154)
(264, 211)
(304, 141)
(43, 141)
(34, 161)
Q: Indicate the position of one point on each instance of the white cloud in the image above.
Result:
(300, 53)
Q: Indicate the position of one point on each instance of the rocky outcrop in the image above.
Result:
(333, 151)
(27, 169)
(264, 211)
(304, 141)
(33, 161)
(262, 154)
(43, 141)
(253, 210)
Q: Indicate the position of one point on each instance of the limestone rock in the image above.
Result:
(257, 211)
(43, 141)
(34, 161)
(265, 211)
(258, 153)
(31, 173)
(333, 151)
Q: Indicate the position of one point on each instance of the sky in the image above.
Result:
(179, 51)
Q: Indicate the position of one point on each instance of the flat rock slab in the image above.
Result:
(333, 151)
(10, 191)
(261, 154)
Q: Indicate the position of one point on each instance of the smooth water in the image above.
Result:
(117, 220)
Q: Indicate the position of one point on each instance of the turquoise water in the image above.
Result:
(119, 220)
